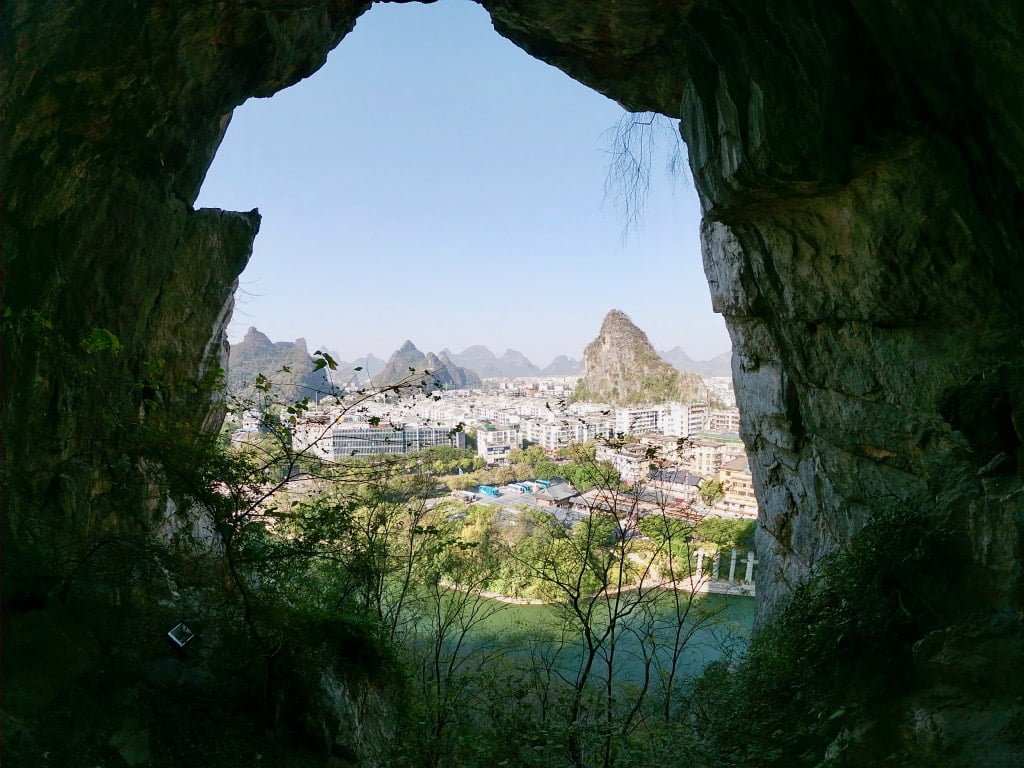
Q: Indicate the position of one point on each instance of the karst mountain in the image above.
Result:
(409, 366)
(286, 364)
(621, 367)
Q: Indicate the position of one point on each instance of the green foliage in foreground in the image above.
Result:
(309, 583)
(836, 655)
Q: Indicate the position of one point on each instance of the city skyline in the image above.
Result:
(434, 183)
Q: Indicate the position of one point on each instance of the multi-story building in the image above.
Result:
(640, 419)
(738, 486)
(251, 421)
(494, 444)
(500, 415)
(555, 435)
(672, 419)
(677, 483)
(684, 419)
(326, 436)
(705, 453)
(312, 435)
(632, 462)
(364, 439)
(724, 420)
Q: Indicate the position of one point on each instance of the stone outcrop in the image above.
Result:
(621, 367)
(860, 167)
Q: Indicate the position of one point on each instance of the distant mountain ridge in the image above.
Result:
(487, 365)
(369, 364)
(563, 366)
(621, 367)
(257, 354)
(719, 365)
(511, 364)
(407, 365)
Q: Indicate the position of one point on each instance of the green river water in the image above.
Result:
(725, 634)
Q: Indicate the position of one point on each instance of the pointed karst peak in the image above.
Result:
(407, 347)
(618, 328)
(622, 368)
(616, 318)
(254, 336)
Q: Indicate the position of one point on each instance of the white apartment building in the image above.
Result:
(494, 444)
(252, 420)
(640, 419)
(554, 435)
(673, 419)
(684, 419)
(725, 420)
(632, 462)
(312, 435)
(500, 415)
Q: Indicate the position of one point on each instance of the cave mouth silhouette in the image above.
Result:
(860, 171)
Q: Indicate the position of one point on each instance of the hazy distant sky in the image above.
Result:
(434, 182)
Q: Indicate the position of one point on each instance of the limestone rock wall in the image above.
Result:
(860, 240)
(112, 113)
(621, 367)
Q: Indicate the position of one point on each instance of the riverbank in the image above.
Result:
(691, 585)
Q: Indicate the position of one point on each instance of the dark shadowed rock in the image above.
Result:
(860, 168)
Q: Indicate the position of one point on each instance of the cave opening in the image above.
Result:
(859, 167)
(430, 163)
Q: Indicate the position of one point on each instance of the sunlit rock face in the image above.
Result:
(860, 166)
(621, 367)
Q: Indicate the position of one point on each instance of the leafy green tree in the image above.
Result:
(711, 491)
(521, 472)
(726, 533)
(541, 466)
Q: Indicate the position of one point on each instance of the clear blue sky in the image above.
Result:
(434, 182)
